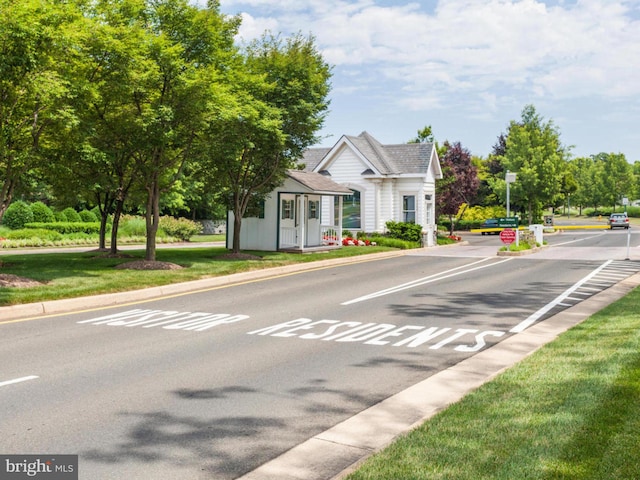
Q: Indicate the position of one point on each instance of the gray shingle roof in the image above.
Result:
(405, 158)
(318, 183)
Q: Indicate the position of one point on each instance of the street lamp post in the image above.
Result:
(510, 177)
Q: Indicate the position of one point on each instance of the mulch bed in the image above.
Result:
(148, 265)
(14, 281)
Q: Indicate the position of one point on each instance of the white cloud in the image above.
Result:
(483, 57)
(587, 48)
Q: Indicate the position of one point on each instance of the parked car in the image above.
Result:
(490, 223)
(618, 220)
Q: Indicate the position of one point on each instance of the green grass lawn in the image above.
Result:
(66, 275)
(569, 411)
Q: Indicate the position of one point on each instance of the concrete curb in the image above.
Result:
(338, 451)
(520, 253)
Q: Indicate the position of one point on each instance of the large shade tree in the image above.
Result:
(36, 41)
(153, 73)
(534, 152)
(617, 180)
(273, 113)
(100, 163)
(191, 50)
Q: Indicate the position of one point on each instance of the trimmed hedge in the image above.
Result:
(67, 227)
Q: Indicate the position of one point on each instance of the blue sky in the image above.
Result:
(468, 67)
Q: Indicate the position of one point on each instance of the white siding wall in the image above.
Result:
(347, 170)
(257, 233)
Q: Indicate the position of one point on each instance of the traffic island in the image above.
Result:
(519, 253)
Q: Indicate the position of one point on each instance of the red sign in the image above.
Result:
(508, 236)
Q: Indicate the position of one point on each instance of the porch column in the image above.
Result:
(378, 204)
(303, 220)
(339, 222)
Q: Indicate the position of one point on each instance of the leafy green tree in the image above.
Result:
(150, 74)
(101, 163)
(190, 50)
(35, 39)
(247, 153)
(298, 79)
(636, 179)
(535, 153)
(270, 116)
(568, 187)
(489, 170)
(617, 179)
(580, 169)
(425, 135)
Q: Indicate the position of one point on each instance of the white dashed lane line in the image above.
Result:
(18, 380)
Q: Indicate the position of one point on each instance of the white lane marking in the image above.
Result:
(18, 380)
(423, 281)
(578, 240)
(558, 301)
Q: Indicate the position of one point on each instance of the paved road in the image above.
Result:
(217, 383)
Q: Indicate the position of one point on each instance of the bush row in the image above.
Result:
(20, 213)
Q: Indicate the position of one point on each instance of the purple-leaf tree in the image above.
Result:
(459, 181)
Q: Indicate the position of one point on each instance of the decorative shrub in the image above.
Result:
(60, 216)
(410, 232)
(88, 216)
(42, 213)
(180, 227)
(71, 215)
(17, 215)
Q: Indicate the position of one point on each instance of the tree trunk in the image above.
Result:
(113, 250)
(237, 225)
(6, 195)
(152, 218)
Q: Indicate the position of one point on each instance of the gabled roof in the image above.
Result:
(318, 183)
(385, 160)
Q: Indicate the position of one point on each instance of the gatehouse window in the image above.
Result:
(314, 209)
(287, 210)
(409, 208)
(351, 211)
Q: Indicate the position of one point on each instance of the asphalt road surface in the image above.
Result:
(214, 383)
